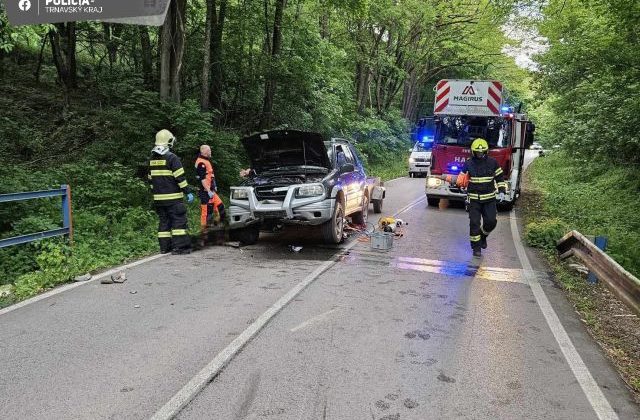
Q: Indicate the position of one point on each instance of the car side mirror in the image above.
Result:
(347, 167)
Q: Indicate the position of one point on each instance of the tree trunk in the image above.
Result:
(271, 84)
(178, 47)
(147, 59)
(111, 30)
(63, 49)
(206, 65)
(172, 51)
(217, 76)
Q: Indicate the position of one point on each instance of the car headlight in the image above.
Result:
(310, 191)
(433, 182)
(240, 194)
(412, 160)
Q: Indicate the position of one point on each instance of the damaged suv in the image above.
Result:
(298, 178)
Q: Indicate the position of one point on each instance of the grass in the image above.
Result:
(394, 168)
(562, 194)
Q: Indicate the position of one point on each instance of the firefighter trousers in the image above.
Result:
(208, 209)
(482, 220)
(172, 229)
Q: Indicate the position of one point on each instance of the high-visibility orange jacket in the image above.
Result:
(204, 172)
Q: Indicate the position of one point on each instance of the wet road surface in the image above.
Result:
(422, 331)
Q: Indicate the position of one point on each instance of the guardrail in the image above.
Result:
(622, 283)
(67, 222)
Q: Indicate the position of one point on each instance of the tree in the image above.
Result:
(172, 50)
(63, 49)
(270, 80)
(212, 71)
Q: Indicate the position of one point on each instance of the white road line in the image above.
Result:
(313, 320)
(70, 286)
(211, 370)
(593, 393)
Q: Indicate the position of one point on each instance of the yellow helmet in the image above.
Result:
(165, 138)
(480, 146)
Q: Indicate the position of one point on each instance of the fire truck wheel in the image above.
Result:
(433, 202)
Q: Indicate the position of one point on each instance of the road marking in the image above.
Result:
(446, 268)
(591, 389)
(71, 286)
(189, 391)
(313, 320)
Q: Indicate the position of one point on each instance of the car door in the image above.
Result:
(354, 187)
(344, 180)
(359, 178)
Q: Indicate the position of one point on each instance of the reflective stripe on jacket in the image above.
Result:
(166, 178)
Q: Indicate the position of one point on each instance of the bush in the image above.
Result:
(593, 198)
(545, 234)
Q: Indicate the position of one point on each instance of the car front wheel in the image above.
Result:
(332, 230)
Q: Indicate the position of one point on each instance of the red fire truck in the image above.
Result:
(465, 110)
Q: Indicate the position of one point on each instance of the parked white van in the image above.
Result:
(420, 159)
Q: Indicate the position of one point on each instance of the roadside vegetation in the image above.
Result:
(586, 111)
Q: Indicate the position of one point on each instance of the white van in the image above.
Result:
(420, 159)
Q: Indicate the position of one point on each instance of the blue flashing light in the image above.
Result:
(505, 109)
(454, 168)
(427, 139)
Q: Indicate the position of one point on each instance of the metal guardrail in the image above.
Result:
(67, 222)
(622, 283)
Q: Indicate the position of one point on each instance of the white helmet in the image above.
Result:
(164, 141)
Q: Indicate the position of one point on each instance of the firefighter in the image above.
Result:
(211, 206)
(479, 176)
(169, 186)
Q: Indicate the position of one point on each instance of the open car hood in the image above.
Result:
(285, 148)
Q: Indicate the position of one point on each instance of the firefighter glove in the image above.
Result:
(501, 197)
(189, 198)
(210, 193)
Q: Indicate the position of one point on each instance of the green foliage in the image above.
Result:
(545, 234)
(593, 198)
(589, 78)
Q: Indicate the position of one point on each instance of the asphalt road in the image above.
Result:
(422, 331)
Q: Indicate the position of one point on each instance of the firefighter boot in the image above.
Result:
(483, 242)
(477, 252)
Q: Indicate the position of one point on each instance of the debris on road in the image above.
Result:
(136, 306)
(84, 277)
(120, 277)
(133, 292)
(294, 248)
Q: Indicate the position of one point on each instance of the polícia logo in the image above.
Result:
(24, 5)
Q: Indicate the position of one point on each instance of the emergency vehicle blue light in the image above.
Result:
(427, 139)
(505, 109)
(454, 168)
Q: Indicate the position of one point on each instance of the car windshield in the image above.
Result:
(422, 147)
(461, 131)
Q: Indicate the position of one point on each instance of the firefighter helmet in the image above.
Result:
(479, 148)
(165, 138)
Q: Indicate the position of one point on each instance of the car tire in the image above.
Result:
(332, 230)
(433, 202)
(360, 218)
(248, 235)
(377, 206)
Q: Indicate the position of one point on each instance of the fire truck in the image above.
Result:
(465, 110)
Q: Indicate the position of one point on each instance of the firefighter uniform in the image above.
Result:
(211, 208)
(481, 173)
(168, 184)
